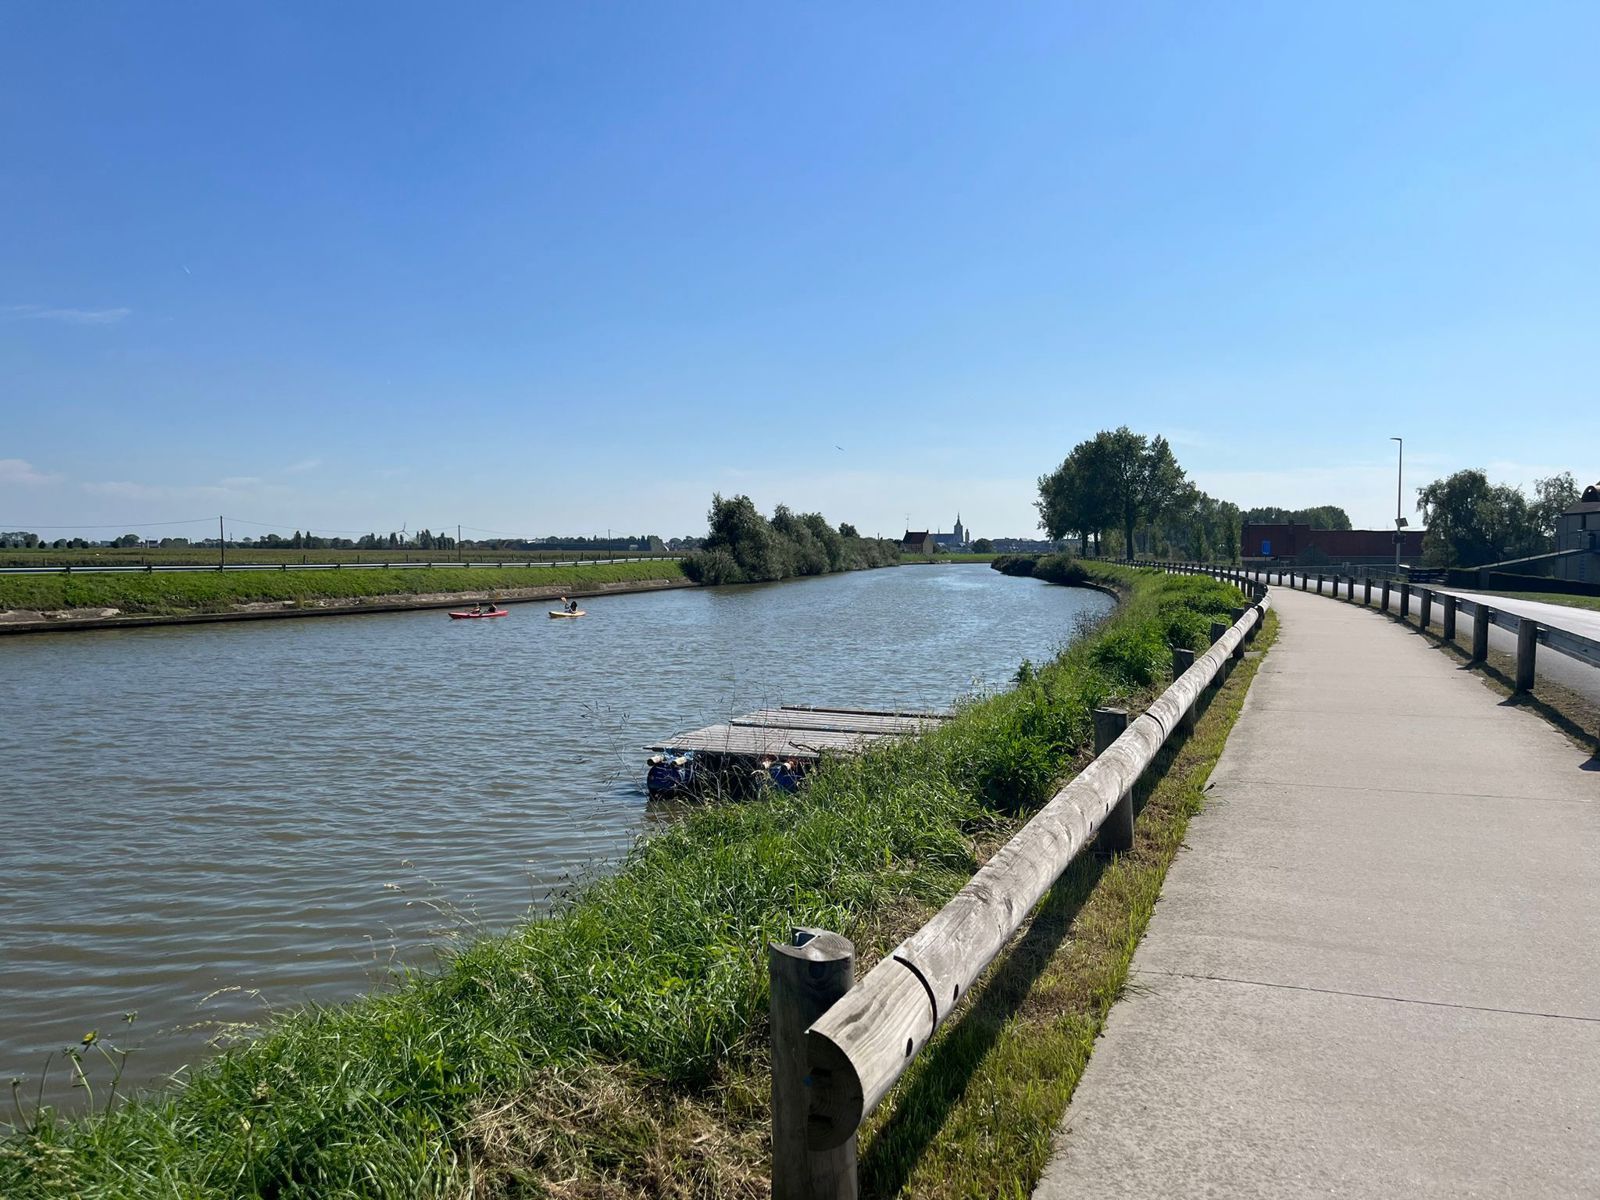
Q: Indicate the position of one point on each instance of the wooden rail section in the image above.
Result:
(857, 1049)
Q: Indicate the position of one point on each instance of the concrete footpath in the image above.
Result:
(1375, 968)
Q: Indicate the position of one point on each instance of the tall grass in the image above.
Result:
(216, 591)
(644, 993)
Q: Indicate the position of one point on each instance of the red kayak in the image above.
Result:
(474, 616)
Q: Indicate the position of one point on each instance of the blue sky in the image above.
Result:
(561, 268)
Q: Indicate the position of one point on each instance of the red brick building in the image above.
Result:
(1339, 545)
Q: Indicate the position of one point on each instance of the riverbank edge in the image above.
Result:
(656, 1080)
(64, 622)
(335, 608)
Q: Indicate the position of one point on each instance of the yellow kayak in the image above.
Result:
(564, 613)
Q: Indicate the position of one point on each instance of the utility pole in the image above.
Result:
(1399, 521)
(458, 543)
(222, 547)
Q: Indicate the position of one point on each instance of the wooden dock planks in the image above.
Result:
(801, 733)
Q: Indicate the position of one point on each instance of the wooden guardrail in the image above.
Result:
(1530, 633)
(837, 1049)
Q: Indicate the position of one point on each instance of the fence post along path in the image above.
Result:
(807, 975)
(864, 1042)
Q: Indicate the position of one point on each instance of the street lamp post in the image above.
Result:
(1399, 521)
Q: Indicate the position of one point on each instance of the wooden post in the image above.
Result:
(1405, 601)
(1182, 660)
(1238, 649)
(1449, 618)
(1527, 650)
(1424, 608)
(1482, 617)
(1385, 595)
(1319, 583)
(1116, 835)
(807, 978)
(1366, 591)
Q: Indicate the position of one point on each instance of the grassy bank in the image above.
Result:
(1591, 602)
(618, 1047)
(163, 592)
(108, 556)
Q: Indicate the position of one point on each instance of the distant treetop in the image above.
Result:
(1323, 516)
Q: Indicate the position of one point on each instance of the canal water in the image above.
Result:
(204, 824)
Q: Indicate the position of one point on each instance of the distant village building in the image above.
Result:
(1292, 543)
(918, 541)
(1578, 536)
(957, 540)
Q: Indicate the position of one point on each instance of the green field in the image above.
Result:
(217, 591)
(618, 1047)
(207, 556)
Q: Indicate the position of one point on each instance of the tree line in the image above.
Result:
(1124, 494)
(742, 546)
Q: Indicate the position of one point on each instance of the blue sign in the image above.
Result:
(1266, 547)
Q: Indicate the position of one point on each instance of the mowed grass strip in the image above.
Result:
(207, 556)
(1592, 602)
(618, 1047)
(217, 591)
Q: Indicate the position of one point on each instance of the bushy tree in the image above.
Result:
(1471, 522)
(1114, 479)
(1552, 497)
(744, 547)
